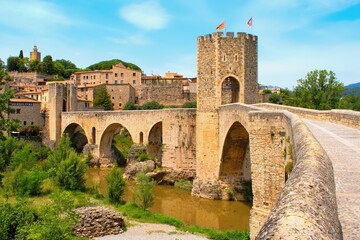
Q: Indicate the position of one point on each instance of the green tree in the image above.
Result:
(48, 65)
(2, 64)
(274, 98)
(319, 90)
(7, 124)
(12, 64)
(21, 54)
(102, 99)
(115, 185)
(350, 102)
(152, 105)
(34, 66)
(143, 191)
(107, 65)
(70, 173)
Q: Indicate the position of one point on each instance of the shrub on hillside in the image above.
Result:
(152, 105)
(189, 105)
(143, 191)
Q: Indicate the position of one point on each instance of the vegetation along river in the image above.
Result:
(178, 203)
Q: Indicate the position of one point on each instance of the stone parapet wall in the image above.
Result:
(307, 205)
(344, 117)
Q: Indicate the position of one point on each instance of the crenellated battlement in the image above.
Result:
(229, 35)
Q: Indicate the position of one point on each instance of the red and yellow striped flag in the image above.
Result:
(221, 26)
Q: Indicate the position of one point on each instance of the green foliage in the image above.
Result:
(152, 105)
(115, 185)
(13, 218)
(142, 157)
(350, 102)
(189, 105)
(103, 99)
(47, 65)
(266, 91)
(61, 152)
(319, 90)
(123, 142)
(274, 98)
(8, 147)
(5, 123)
(107, 65)
(143, 191)
(129, 106)
(184, 184)
(12, 63)
(21, 54)
(70, 173)
(34, 66)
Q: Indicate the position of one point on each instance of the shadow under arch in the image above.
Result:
(230, 90)
(106, 140)
(77, 136)
(155, 138)
(235, 167)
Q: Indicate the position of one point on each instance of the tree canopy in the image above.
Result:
(107, 65)
(318, 90)
(102, 99)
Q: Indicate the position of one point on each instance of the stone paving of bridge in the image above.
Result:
(342, 145)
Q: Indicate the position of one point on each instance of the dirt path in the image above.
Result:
(150, 231)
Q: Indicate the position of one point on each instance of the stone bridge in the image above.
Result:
(255, 142)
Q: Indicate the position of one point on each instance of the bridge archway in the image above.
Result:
(155, 141)
(107, 138)
(235, 159)
(230, 90)
(77, 136)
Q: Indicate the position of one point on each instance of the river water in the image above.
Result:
(178, 203)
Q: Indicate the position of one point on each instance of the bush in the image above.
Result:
(115, 185)
(152, 105)
(70, 173)
(129, 106)
(30, 183)
(143, 191)
(189, 105)
(13, 218)
(184, 184)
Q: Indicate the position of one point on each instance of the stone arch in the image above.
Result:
(230, 90)
(235, 157)
(77, 136)
(155, 138)
(107, 137)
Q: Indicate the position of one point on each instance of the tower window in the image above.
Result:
(224, 57)
(236, 57)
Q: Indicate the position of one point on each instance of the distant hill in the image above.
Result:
(354, 85)
(352, 89)
(106, 65)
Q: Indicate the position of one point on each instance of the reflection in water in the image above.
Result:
(178, 203)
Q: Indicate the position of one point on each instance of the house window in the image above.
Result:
(17, 111)
(32, 123)
(134, 81)
(24, 123)
(121, 74)
(113, 97)
(115, 74)
(119, 104)
(134, 74)
(107, 76)
(115, 82)
(122, 81)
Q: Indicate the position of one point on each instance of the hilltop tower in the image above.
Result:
(226, 73)
(35, 54)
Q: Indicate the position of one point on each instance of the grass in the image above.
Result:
(132, 211)
(184, 184)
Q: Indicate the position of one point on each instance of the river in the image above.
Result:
(178, 203)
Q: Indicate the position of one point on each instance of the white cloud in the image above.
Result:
(32, 15)
(148, 15)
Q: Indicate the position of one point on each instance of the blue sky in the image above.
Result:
(295, 36)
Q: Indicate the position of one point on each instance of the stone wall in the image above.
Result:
(343, 117)
(306, 208)
(169, 95)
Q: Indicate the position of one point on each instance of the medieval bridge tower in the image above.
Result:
(227, 73)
